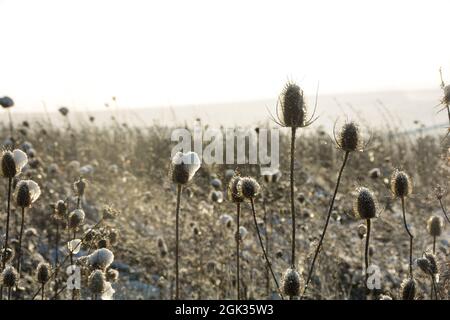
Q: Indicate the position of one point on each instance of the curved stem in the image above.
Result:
(264, 251)
(238, 240)
(292, 195)
(411, 237)
(366, 252)
(43, 291)
(177, 285)
(443, 210)
(316, 253)
(56, 258)
(11, 126)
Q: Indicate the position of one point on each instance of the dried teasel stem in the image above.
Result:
(238, 243)
(8, 213)
(293, 130)
(366, 251)
(316, 253)
(177, 219)
(411, 237)
(19, 253)
(269, 265)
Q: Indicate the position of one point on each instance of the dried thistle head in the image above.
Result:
(435, 224)
(26, 193)
(43, 272)
(76, 218)
(12, 162)
(291, 282)
(10, 277)
(61, 208)
(408, 289)
(233, 192)
(184, 166)
(64, 111)
(365, 204)
(80, 186)
(432, 262)
(349, 138)
(112, 275)
(248, 188)
(101, 259)
(401, 184)
(6, 102)
(291, 107)
(97, 282)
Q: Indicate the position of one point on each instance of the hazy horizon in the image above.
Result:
(82, 53)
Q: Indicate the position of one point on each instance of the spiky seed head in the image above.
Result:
(97, 282)
(292, 105)
(439, 192)
(76, 218)
(375, 173)
(184, 166)
(365, 204)
(435, 224)
(113, 236)
(80, 186)
(26, 193)
(43, 272)
(362, 230)
(248, 188)
(13, 162)
(64, 111)
(349, 137)
(424, 265)
(103, 243)
(101, 258)
(10, 277)
(6, 102)
(61, 208)
(401, 184)
(432, 262)
(233, 192)
(290, 283)
(408, 289)
(112, 275)
(8, 256)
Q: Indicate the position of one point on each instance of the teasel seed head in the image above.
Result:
(248, 188)
(97, 282)
(162, 247)
(76, 218)
(61, 208)
(26, 193)
(365, 204)
(6, 102)
(102, 243)
(362, 230)
(184, 166)
(435, 224)
(432, 262)
(292, 105)
(408, 289)
(10, 277)
(112, 275)
(233, 192)
(349, 139)
(43, 272)
(8, 165)
(401, 184)
(101, 258)
(291, 282)
(80, 186)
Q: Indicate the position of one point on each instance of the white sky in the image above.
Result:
(152, 53)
